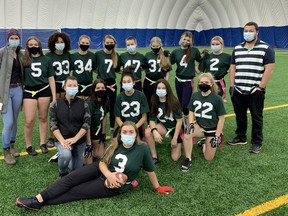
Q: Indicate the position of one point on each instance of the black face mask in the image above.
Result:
(109, 46)
(100, 93)
(84, 47)
(204, 87)
(34, 50)
(156, 50)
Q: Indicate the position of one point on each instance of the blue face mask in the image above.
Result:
(60, 46)
(14, 43)
(128, 139)
(127, 86)
(215, 48)
(248, 36)
(131, 48)
(72, 91)
(161, 92)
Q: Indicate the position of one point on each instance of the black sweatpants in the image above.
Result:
(255, 103)
(83, 183)
(112, 99)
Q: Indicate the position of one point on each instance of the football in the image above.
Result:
(122, 178)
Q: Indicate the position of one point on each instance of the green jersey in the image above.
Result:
(61, 65)
(207, 109)
(105, 66)
(131, 108)
(82, 66)
(184, 70)
(218, 65)
(167, 121)
(130, 161)
(97, 114)
(39, 71)
(137, 59)
(153, 70)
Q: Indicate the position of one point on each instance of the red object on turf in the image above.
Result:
(164, 189)
(122, 178)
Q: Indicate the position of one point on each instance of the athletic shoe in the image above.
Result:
(31, 151)
(28, 203)
(54, 158)
(155, 161)
(186, 165)
(255, 149)
(44, 149)
(237, 141)
(50, 143)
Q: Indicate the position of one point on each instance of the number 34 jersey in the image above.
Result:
(131, 108)
(206, 109)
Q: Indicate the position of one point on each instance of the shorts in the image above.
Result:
(59, 87)
(44, 93)
(86, 92)
(171, 134)
(93, 135)
(208, 131)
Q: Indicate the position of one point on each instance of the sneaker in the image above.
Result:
(28, 203)
(54, 158)
(186, 165)
(31, 151)
(255, 149)
(155, 160)
(237, 141)
(50, 143)
(44, 149)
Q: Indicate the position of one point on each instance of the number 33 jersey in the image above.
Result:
(206, 109)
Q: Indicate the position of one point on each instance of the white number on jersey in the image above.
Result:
(110, 63)
(121, 164)
(79, 63)
(37, 72)
(153, 65)
(59, 69)
(182, 62)
(160, 113)
(133, 62)
(204, 112)
(213, 64)
(126, 105)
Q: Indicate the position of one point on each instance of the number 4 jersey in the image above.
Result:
(206, 109)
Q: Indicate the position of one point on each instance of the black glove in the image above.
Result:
(205, 54)
(189, 128)
(88, 151)
(215, 142)
(166, 53)
(231, 90)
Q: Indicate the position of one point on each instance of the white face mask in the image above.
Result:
(71, 91)
(161, 92)
(215, 48)
(60, 46)
(127, 86)
(128, 139)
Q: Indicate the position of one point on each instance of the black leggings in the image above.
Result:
(112, 98)
(83, 183)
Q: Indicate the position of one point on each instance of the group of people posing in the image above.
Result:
(79, 105)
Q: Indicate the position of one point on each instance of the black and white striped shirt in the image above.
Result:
(250, 65)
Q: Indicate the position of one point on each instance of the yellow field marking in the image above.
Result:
(25, 153)
(265, 207)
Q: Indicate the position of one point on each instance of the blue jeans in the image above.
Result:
(72, 159)
(10, 118)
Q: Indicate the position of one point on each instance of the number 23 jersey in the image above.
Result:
(206, 109)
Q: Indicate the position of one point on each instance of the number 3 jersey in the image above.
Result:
(206, 109)
(130, 161)
(39, 71)
(167, 121)
(131, 108)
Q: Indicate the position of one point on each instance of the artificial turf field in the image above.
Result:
(235, 181)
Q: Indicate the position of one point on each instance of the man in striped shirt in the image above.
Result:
(251, 67)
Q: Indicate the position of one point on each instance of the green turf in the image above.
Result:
(232, 183)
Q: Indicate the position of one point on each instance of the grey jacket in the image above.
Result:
(6, 64)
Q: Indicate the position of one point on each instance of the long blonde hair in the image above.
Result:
(189, 50)
(113, 54)
(214, 87)
(164, 61)
(115, 142)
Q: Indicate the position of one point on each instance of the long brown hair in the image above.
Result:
(164, 61)
(116, 141)
(171, 103)
(113, 54)
(214, 87)
(93, 97)
(27, 55)
(189, 50)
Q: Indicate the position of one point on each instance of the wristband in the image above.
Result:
(154, 129)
